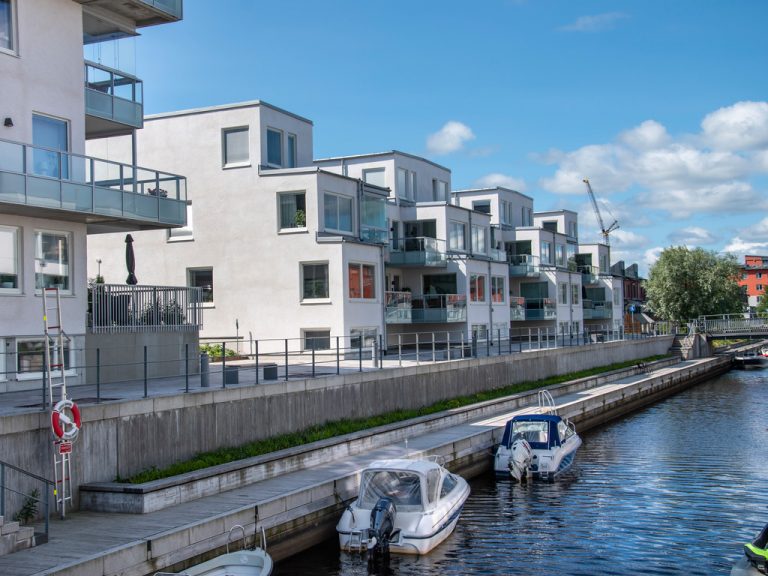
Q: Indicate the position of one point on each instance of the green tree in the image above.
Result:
(762, 306)
(684, 284)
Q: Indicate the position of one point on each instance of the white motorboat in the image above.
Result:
(404, 506)
(539, 445)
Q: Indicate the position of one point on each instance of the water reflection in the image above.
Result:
(676, 488)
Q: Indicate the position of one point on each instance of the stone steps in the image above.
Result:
(14, 537)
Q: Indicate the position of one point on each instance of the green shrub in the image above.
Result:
(214, 350)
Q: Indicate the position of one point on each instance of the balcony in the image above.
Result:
(419, 251)
(589, 275)
(108, 196)
(597, 309)
(540, 309)
(523, 266)
(109, 19)
(407, 308)
(516, 308)
(113, 102)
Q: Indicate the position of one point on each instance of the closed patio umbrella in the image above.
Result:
(130, 261)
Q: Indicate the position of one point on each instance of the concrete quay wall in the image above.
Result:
(121, 438)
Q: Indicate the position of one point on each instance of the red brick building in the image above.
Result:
(754, 278)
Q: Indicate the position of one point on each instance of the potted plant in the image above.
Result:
(300, 219)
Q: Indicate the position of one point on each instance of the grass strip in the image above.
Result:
(341, 427)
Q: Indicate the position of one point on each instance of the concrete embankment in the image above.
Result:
(299, 508)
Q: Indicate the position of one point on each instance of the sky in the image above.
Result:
(661, 104)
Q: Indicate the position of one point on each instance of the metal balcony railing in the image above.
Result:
(48, 178)
(113, 95)
(121, 308)
(407, 308)
(597, 309)
(419, 251)
(540, 309)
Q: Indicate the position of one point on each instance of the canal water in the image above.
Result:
(676, 488)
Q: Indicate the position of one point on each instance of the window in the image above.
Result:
(52, 133)
(759, 274)
(477, 288)
(573, 232)
(293, 210)
(375, 176)
(439, 284)
(52, 257)
(9, 261)
(406, 184)
(439, 190)
(362, 281)
(563, 293)
(30, 357)
(317, 339)
(479, 244)
(550, 225)
(7, 37)
(362, 337)
(235, 143)
(274, 148)
(479, 331)
(743, 275)
(314, 281)
(604, 264)
(759, 287)
(183, 233)
(560, 255)
(290, 160)
(616, 297)
(483, 206)
(497, 289)
(338, 212)
(457, 236)
(527, 216)
(202, 278)
(575, 288)
(546, 253)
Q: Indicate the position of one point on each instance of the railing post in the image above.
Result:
(448, 344)
(224, 364)
(488, 342)
(360, 351)
(2, 489)
(145, 371)
(433, 346)
(381, 351)
(313, 361)
(286, 359)
(417, 348)
(257, 361)
(186, 367)
(338, 357)
(45, 379)
(98, 375)
(399, 349)
(46, 506)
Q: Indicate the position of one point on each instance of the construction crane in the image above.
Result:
(603, 230)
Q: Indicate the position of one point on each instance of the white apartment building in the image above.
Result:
(603, 290)
(51, 195)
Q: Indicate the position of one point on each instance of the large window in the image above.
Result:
(185, 232)
(202, 278)
(575, 289)
(290, 160)
(317, 339)
(53, 133)
(477, 288)
(9, 260)
(527, 216)
(439, 190)
(362, 281)
(293, 210)
(479, 242)
(274, 148)
(546, 253)
(375, 176)
(7, 35)
(338, 212)
(30, 357)
(560, 255)
(406, 184)
(483, 206)
(563, 293)
(362, 338)
(457, 232)
(52, 260)
(235, 144)
(314, 281)
(497, 289)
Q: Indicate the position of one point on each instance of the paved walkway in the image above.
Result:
(86, 535)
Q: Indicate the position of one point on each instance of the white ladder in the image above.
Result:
(54, 344)
(62, 477)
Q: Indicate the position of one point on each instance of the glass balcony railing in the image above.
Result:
(516, 308)
(597, 309)
(46, 178)
(172, 7)
(523, 265)
(589, 274)
(407, 308)
(498, 255)
(419, 251)
(540, 309)
(113, 95)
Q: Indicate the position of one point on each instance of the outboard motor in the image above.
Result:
(756, 551)
(382, 526)
(520, 459)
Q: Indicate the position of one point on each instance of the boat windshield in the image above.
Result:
(404, 488)
(537, 432)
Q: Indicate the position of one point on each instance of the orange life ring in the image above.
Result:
(64, 427)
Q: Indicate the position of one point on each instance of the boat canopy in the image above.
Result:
(542, 431)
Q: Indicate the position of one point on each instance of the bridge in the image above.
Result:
(732, 326)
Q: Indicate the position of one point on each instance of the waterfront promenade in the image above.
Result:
(89, 543)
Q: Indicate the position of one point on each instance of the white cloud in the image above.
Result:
(649, 134)
(497, 179)
(595, 23)
(450, 138)
(742, 126)
(651, 255)
(626, 239)
(730, 198)
(692, 236)
(758, 232)
(740, 248)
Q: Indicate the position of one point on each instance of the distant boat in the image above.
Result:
(254, 562)
(750, 358)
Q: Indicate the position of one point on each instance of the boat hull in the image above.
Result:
(558, 460)
(243, 563)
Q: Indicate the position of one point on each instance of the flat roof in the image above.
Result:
(388, 153)
(472, 190)
(561, 210)
(219, 107)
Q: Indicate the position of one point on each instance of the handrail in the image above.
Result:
(44, 498)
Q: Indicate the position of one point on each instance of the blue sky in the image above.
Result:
(662, 104)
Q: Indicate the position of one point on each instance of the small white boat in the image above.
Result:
(539, 445)
(764, 351)
(254, 562)
(404, 506)
(750, 358)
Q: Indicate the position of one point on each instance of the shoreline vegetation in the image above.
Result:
(341, 427)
